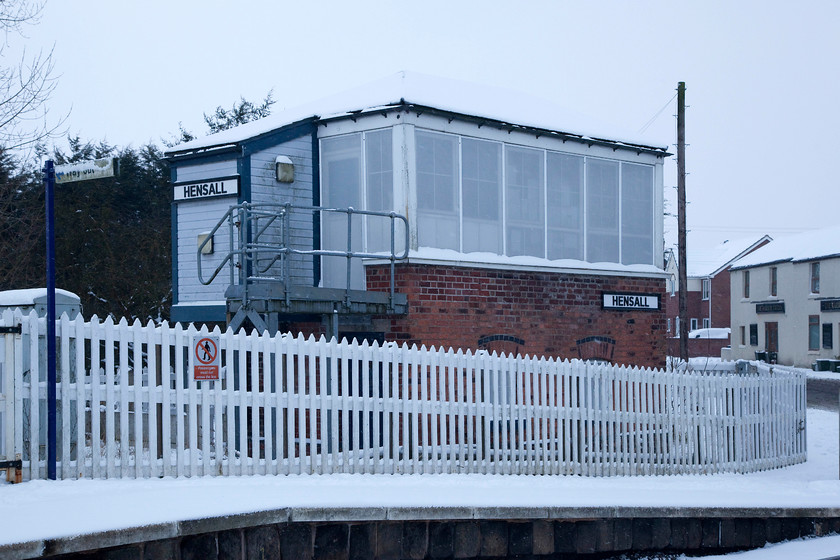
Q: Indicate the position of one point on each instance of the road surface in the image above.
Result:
(823, 393)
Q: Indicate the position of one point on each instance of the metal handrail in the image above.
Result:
(254, 220)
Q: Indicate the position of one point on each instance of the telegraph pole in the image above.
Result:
(681, 258)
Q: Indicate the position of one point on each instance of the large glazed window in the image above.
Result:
(341, 165)
(356, 171)
(482, 196)
(636, 214)
(379, 187)
(524, 214)
(601, 211)
(438, 214)
(565, 206)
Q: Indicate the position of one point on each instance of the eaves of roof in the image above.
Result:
(407, 106)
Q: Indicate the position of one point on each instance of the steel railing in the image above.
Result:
(255, 246)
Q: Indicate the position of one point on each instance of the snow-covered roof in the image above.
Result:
(28, 297)
(703, 263)
(805, 246)
(506, 106)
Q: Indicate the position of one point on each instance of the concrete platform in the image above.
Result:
(448, 532)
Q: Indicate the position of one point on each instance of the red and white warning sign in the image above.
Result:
(207, 358)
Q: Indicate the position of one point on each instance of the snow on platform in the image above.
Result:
(52, 509)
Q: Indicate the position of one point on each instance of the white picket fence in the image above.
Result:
(128, 407)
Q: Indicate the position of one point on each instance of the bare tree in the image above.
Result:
(26, 85)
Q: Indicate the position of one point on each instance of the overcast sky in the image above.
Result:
(762, 78)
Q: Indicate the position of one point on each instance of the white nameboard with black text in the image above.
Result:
(225, 186)
(630, 302)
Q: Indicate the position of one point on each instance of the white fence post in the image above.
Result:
(7, 386)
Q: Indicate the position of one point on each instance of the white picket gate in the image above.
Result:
(128, 407)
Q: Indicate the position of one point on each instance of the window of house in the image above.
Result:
(636, 214)
(707, 323)
(754, 334)
(524, 215)
(693, 324)
(438, 209)
(815, 277)
(746, 284)
(706, 288)
(827, 336)
(481, 192)
(669, 324)
(813, 332)
(564, 182)
(677, 326)
(743, 331)
(773, 281)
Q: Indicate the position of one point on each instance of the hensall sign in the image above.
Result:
(630, 302)
(223, 186)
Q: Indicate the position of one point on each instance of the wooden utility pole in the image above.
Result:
(681, 258)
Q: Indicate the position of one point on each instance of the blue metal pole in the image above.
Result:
(49, 185)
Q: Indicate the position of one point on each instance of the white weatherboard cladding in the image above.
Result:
(266, 189)
(194, 218)
(205, 171)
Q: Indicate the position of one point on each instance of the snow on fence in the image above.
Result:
(128, 407)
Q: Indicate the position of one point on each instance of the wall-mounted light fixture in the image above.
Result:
(284, 169)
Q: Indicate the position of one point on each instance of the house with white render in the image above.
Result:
(786, 299)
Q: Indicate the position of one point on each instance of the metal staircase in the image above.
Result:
(271, 277)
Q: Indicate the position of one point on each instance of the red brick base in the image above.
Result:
(536, 313)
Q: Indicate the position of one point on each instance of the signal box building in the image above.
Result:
(424, 211)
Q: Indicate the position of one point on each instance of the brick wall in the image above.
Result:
(720, 299)
(538, 313)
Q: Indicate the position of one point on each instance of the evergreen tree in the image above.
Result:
(113, 234)
(22, 229)
(240, 113)
(113, 240)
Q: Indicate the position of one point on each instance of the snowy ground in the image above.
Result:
(49, 509)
